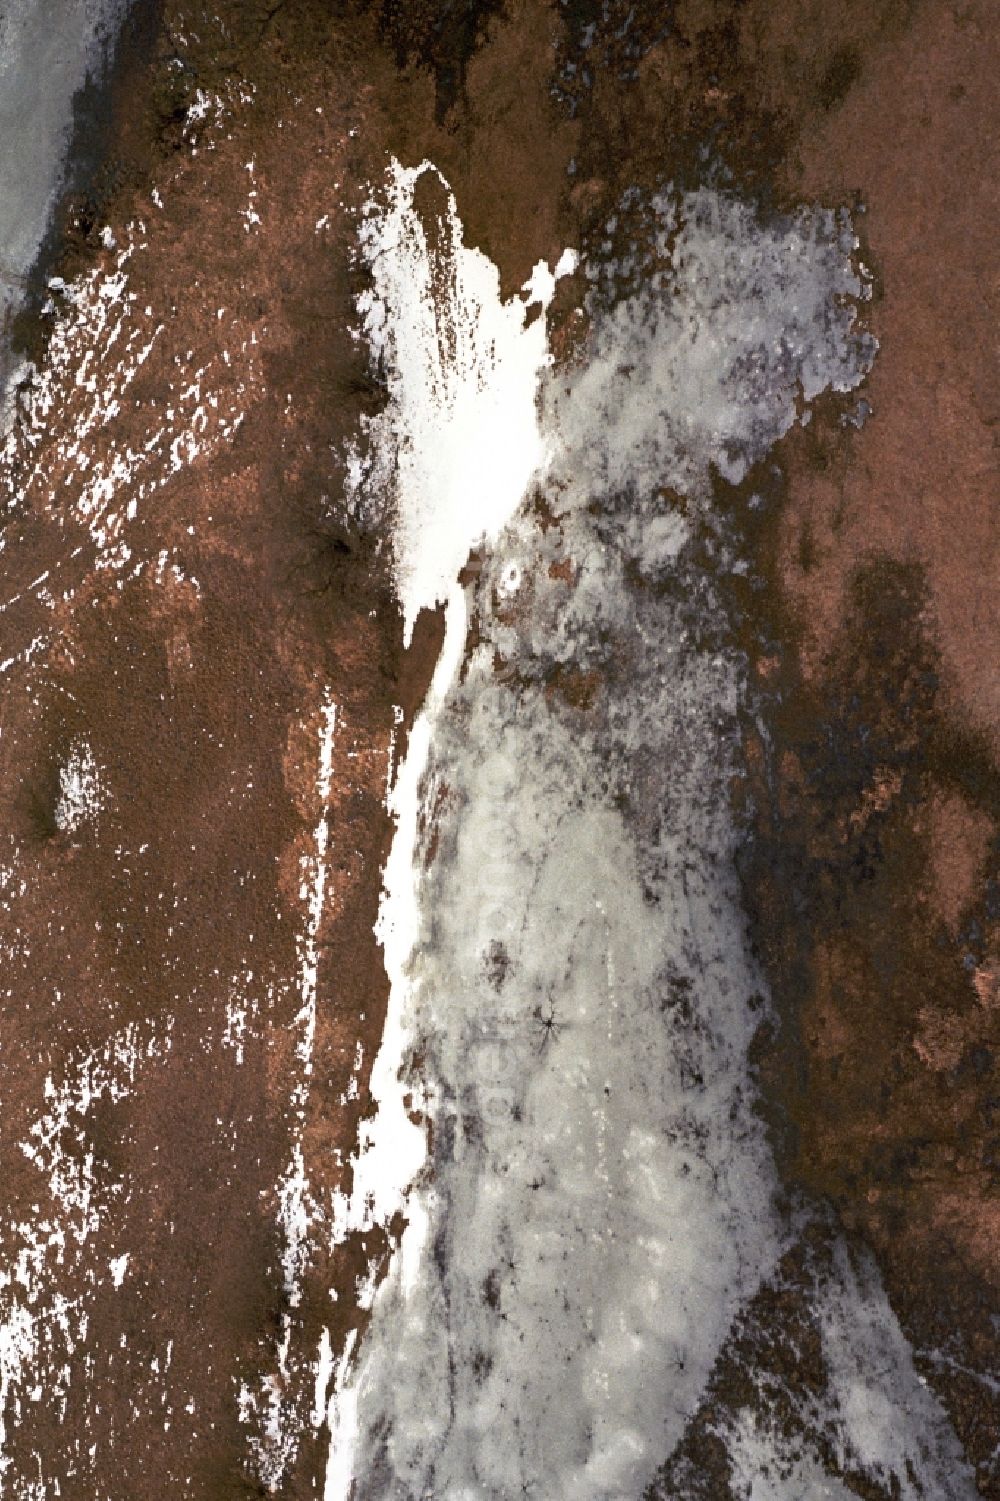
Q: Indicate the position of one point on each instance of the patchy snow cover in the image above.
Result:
(66, 451)
(43, 1320)
(763, 1470)
(891, 1425)
(573, 969)
(81, 794)
(870, 1410)
(100, 340)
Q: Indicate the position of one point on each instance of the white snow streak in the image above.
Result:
(275, 1442)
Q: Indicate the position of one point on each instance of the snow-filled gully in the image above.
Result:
(572, 967)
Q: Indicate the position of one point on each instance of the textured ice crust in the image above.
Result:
(599, 1199)
(589, 1236)
(863, 1408)
(744, 325)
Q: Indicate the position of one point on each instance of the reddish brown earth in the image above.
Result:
(195, 674)
(887, 548)
(871, 871)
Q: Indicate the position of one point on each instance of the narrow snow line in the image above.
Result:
(315, 893)
(297, 1209)
(275, 1446)
(392, 1151)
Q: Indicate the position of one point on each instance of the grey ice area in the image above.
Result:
(602, 1201)
(47, 50)
(746, 325)
(875, 1416)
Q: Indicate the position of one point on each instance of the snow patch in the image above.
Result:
(459, 440)
(81, 792)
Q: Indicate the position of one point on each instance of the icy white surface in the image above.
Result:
(573, 969)
(589, 1234)
(709, 367)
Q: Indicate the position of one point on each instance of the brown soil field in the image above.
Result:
(171, 546)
